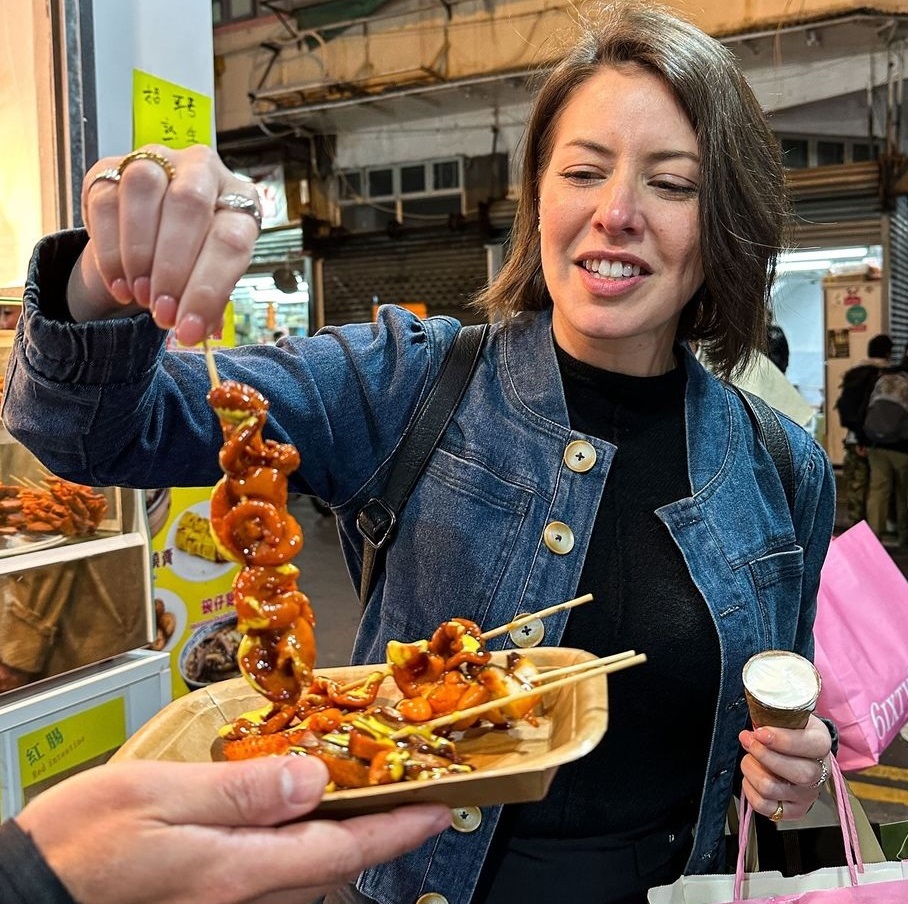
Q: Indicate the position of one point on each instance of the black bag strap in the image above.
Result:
(377, 519)
(773, 436)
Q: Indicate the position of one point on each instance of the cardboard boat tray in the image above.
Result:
(511, 766)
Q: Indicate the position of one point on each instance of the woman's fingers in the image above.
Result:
(145, 178)
(171, 231)
(784, 766)
(221, 261)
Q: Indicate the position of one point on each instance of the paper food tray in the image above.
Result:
(509, 766)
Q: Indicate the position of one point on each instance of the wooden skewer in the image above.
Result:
(580, 667)
(502, 629)
(542, 613)
(212, 367)
(472, 711)
(27, 482)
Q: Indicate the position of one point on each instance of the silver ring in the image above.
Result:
(111, 174)
(779, 812)
(824, 773)
(241, 203)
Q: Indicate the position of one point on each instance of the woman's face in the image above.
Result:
(618, 215)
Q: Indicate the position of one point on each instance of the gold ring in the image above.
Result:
(106, 175)
(154, 157)
(780, 810)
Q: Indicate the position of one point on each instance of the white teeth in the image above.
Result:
(612, 269)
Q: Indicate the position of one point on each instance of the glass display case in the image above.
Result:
(75, 570)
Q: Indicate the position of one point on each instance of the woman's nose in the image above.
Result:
(618, 209)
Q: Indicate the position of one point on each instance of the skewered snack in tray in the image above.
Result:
(366, 744)
(361, 743)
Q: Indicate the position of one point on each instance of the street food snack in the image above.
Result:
(446, 683)
(250, 524)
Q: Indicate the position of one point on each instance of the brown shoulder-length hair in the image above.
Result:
(743, 207)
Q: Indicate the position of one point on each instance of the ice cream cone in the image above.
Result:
(781, 689)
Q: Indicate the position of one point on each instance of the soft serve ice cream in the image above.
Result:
(781, 688)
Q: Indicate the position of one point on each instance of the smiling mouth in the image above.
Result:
(611, 269)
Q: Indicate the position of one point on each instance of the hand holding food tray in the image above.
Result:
(509, 766)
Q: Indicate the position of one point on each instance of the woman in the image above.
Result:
(591, 452)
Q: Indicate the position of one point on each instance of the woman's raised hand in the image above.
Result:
(171, 231)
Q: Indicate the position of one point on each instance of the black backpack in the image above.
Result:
(887, 409)
(857, 384)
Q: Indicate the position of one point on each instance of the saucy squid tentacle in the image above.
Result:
(251, 525)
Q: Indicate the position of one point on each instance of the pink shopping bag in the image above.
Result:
(861, 636)
(856, 883)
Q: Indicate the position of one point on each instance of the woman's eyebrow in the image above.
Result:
(654, 156)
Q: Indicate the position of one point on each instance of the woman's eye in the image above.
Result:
(580, 177)
(683, 189)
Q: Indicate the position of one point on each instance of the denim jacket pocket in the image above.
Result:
(777, 579)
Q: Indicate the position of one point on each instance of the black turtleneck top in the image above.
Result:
(649, 768)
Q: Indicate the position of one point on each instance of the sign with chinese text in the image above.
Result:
(66, 743)
(168, 114)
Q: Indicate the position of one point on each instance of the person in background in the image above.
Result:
(765, 377)
(887, 491)
(9, 316)
(591, 451)
(777, 346)
(222, 833)
(851, 405)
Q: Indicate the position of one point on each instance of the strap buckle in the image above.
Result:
(376, 522)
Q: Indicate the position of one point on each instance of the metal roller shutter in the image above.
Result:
(898, 273)
(837, 205)
(441, 268)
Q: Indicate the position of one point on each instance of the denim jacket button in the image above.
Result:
(580, 456)
(466, 819)
(528, 635)
(433, 897)
(558, 537)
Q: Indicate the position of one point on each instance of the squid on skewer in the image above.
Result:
(251, 525)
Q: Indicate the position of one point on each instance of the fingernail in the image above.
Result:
(141, 290)
(302, 780)
(164, 310)
(191, 329)
(764, 735)
(120, 290)
(746, 739)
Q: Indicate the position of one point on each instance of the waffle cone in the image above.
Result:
(762, 715)
(808, 680)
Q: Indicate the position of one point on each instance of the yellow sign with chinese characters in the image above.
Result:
(168, 114)
(66, 743)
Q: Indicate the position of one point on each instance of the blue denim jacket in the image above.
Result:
(104, 403)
